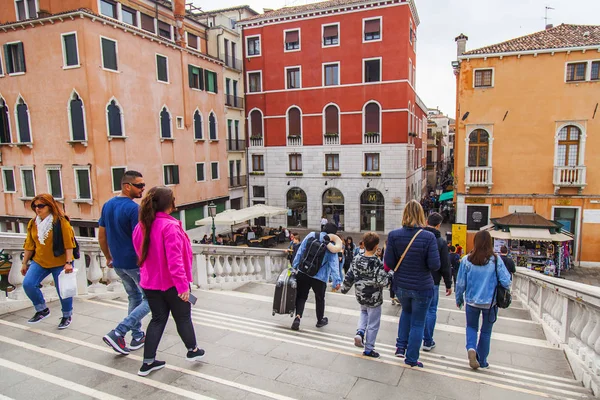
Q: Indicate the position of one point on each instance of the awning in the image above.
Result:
(534, 235)
(446, 196)
(561, 237)
(500, 235)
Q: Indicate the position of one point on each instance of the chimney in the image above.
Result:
(179, 11)
(461, 44)
(549, 26)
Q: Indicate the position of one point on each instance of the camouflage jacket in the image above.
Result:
(370, 278)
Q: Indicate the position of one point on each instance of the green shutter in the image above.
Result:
(216, 84)
(176, 174)
(191, 75)
(201, 78)
(7, 60)
(192, 215)
(21, 51)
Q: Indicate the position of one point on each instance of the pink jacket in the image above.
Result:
(169, 259)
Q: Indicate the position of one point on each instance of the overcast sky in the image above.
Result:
(485, 22)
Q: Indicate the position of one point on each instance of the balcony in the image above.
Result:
(569, 177)
(237, 181)
(232, 62)
(478, 177)
(294, 141)
(256, 141)
(234, 101)
(331, 139)
(372, 138)
(236, 145)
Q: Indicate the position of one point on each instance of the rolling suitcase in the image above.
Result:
(284, 300)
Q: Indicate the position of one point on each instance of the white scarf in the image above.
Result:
(44, 226)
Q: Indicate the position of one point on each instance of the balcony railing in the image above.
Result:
(331, 139)
(236, 145)
(256, 141)
(372, 138)
(294, 141)
(234, 101)
(569, 177)
(237, 181)
(478, 177)
(232, 62)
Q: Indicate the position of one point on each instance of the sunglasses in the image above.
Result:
(41, 205)
(138, 185)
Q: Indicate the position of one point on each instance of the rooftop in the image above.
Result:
(224, 10)
(531, 220)
(563, 36)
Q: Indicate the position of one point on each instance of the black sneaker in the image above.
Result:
(296, 324)
(147, 368)
(38, 316)
(324, 321)
(418, 364)
(195, 355)
(359, 339)
(137, 344)
(64, 323)
(372, 354)
(400, 353)
(116, 342)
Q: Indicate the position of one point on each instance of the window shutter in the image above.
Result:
(165, 124)
(7, 60)
(256, 121)
(83, 180)
(192, 40)
(191, 76)
(216, 82)
(109, 54)
(21, 57)
(148, 23)
(4, 127)
(71, 50)
(197, 126)
(372, 118)
(77, 123)
(292, 37)
(372, 26)
(294, 121)
(201, 78)
(55, 183)
(114, 120)
(176, 174)
(331, 120)
(23, 121)
(330, 31)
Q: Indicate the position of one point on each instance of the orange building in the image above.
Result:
(527, 131)
(91, 88)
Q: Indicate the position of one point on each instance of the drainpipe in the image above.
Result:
(218, 46)
(179, 11)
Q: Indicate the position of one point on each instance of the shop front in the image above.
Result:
(372, 211)
(333, 207)
(297, 208)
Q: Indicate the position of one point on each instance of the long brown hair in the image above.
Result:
(45, 198)
(483, 248)
(413, 215)
(159, 198)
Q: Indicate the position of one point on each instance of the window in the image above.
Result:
(372, 115)
(198, 134)
(70, 52)
(258, 191)
(372, 29)
(109, 54)
(108, 8)
(212, 126)
(484, 78)
(5, 136)
(478, 148)
(254, 82)
(372, 70)
(23, 124)
(332, 162)
(76, 117)
(332, 126)
(294, 118)
(164, 30)
(147, 23)
(595, 71)
(162, 68)
(8, 179)
(295, 162)
(372, 162)
(129, 15)
(117, 175)
(196, 77)
(411, 34)
(83, 183)
(292, 40)
(192, 41)
(214, 170)
(114, 119)
(28, 182)
(331, 35)
(253, 46)
(568, 146)
(331, 74)
(14, 58)
(200, 175)
(54, 182)
(1, 67)
(211, 81)
(256, 124)
(26, 9)
(576, 72)
(258, 162)
(165, 124)
(293, 79)
(171, 174)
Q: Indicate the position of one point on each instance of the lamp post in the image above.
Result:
(212, 211)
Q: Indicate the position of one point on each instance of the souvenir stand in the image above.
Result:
(533, 242)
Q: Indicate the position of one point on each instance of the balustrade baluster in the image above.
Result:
(210, 263)
(219, 271)
(588, 327)
(576, 329)
(591, 354)
(235, 267)
(227, 269)
(94, 274)
(249, 265)
(257, 269)
(15, 278)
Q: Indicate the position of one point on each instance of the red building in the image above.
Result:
(333, 116)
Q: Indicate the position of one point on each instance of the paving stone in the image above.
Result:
(557, 368)
(318, 379)
(367, 369)
(255, 364)
(207, 388)
(444, 386)
(297, 390)
(10, 378)
(366, 389)
(245, 342)
(300, 355)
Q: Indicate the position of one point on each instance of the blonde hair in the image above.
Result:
(413, 215)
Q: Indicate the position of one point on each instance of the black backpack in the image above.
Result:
(313, 256)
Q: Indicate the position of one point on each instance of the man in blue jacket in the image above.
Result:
(318, 283)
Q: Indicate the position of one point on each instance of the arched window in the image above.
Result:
(198, 135)
(212, 126)
(115, 119)
(297, 203)
(372, 210)
(372, 111)
(256, 124)
(4, 123)
(22, 117)
(165, 124)
(294, 125)
(76, 118)
(479, 148)
(568, 146)
(332, 115)
(333, 206)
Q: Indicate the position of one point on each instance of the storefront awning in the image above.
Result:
(446, 196)
(534, 235)
(501, 235)
(561, 237)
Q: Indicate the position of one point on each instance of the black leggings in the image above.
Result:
(161, 303)
(305, 283)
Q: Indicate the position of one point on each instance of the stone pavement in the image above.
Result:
(253, 355)
(589, 276)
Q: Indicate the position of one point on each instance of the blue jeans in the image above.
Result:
(138, 305)
(368, 323)
(34, 276)
(431, 317)
(485, 336)
(412, 321)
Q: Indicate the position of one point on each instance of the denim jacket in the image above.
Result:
(330, 269)
(476, 284)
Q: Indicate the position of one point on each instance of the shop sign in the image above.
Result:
(497, 204)
(477, 217)
(475, 200)
(459, 235)
(563, 202)
(334, 197)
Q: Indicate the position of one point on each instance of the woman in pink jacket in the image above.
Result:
(165, 258)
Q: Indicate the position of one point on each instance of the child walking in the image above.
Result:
(369, 276)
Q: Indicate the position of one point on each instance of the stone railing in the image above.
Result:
(570, 315)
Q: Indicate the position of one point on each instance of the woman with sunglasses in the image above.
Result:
(49, 245)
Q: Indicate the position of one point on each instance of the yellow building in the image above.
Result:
(528, 132)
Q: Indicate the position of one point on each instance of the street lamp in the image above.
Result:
(212, 211)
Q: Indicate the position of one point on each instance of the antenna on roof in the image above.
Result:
(546, 18)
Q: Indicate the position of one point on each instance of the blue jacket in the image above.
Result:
(477, 283)
(330, 267)
(422, 258)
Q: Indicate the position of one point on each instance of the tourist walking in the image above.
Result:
(454, 260)
(348, 253)
(118, 219)
(480, 273)
(413, 253)
(434, 222)
(323, 222)
(165, 259)
(49, 246)
(508, 262)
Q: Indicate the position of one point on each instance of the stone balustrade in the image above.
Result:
(570, 316)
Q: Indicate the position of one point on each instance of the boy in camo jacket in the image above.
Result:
(369, 276)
